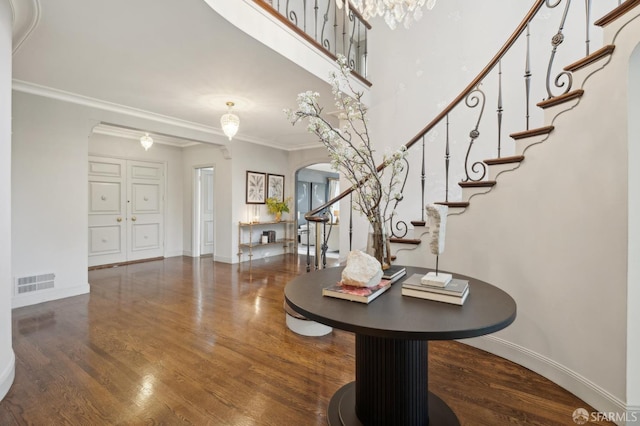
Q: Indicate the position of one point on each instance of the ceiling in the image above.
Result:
(176, 59)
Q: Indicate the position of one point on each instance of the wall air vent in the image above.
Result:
(34, 283)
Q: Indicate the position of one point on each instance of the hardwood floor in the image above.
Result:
(191, 341)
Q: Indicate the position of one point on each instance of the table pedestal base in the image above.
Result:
(342, 409)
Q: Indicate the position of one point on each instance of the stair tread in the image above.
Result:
(478, 184)
(557, 100)
(623, 8)
(414, 241)
(418, 223)
(532, 132)
(595, 56)
(505, 160)
(453, 203)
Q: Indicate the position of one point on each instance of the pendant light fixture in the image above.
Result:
(393, 11)
(230, 122)
(146, 141)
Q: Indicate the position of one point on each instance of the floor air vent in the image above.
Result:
(34, 283)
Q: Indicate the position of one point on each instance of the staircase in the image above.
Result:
(549, 223)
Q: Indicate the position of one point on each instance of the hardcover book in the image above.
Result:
(394, 271)
(357, 294)
(456, 287)
(438, 297)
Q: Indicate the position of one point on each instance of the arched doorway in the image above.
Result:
(315, 185)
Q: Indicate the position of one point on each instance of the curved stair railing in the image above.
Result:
(472, 104)
(332, 29)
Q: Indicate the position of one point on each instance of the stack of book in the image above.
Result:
(394, 271)
(365, 294)
(454, 291)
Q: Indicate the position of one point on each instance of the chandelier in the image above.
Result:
(146, 141)
(393, 11)
(230, 122)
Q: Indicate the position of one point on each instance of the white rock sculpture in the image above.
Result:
(437, 225)
(362, 270)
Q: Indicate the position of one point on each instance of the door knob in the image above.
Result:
(133, 218)
(119, 219)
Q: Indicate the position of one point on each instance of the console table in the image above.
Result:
(392, 334)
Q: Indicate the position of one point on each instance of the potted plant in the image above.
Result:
(276, 207)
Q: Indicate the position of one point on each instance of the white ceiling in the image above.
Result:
(173, 58)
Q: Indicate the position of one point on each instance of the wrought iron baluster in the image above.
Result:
(587, 8)
(304, 16)
(325, 41)
(291, 15)
(423, 180)
(363, 71)
(358, 47)
(400, 225)
(476, 97)
(447, 157)
(315, 20)
(335, 28)
(527, 79)
(499, 107)
(351, 61)
(350, 221)
(344, 32)
(555, 42)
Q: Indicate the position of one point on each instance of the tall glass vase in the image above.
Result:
(378, 244)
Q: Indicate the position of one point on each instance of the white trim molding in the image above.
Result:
(7, 376)
(591, 393)
(61, 95)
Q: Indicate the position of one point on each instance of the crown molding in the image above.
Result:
(61, 95)
(124, 132)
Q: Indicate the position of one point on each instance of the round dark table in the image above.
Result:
(392, 334)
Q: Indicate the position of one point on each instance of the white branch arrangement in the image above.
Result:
(351, 152)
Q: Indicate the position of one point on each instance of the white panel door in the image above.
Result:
(145, 200)
(126, 220)
(206, 211)
(107, 211)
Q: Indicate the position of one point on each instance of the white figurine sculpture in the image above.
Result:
(437, 215)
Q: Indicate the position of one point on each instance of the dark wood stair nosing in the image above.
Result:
(418, 223)
(504, 160)
(617, 12)
(532, 132)
(414, 241)
(478, 184)
(589, 59)
(453, 204)
(557, 100)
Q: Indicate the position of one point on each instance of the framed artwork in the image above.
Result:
(275, 187)
(256, 187)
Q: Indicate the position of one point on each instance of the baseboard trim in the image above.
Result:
(224, 259)
(48, 295)
(591, 393)
(7, 376)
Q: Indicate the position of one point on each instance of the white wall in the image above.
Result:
(49, 195)
(7, 358)
(117, 147)
(554, 234)
(49, 183)
(256, 158)
(209, 156)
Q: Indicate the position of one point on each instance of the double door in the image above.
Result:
(126, 220)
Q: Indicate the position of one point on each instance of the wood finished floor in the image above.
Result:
(191, 341)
